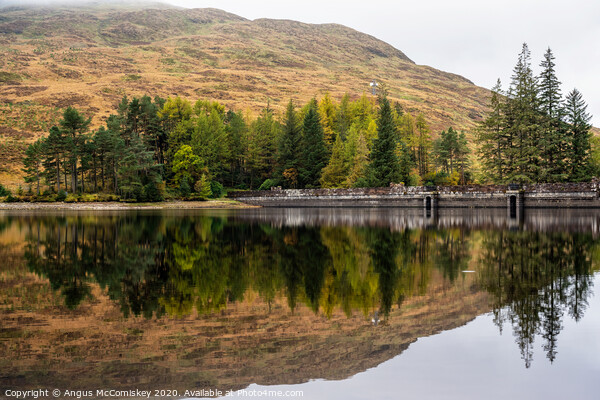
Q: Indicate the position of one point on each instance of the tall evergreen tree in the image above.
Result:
(553, 133)
(288, 152)
(579, 136)
(492, 139)
(523, 122)
(32, 163)
(55, 154)
(73, 124)
(314, 151)
(383, 168)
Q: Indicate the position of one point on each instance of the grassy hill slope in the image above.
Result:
(89, 57)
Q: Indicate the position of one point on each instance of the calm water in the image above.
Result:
(346, 304)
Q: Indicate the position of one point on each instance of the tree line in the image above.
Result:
(532, 133)
(150, 145)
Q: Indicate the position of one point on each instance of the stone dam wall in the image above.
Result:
(556, 195)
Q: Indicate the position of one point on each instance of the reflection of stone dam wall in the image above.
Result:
(556, 195)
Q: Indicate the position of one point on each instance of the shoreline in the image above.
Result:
(165, 205)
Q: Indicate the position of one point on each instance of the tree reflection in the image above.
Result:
(153, 265)
(534, 278)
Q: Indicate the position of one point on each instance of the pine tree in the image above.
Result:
(288, 154)
(54, 156)
(262, 143)
(553, 133)
(491, 137)
(314, 152)
(579, 136)
(405, 163)
(524, 122)
(32, 163)
(73, 124)
(237, 131)
(383, 168)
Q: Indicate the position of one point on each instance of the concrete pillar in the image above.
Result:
(514, 204)
(430, 204)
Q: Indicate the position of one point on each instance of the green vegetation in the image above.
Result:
(532, 134)
(155, 148)
(152, 149)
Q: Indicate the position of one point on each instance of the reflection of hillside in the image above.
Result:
(134, 299)
(250, 341)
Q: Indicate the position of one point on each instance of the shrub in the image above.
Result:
(4, 191)
(268, 184)
(61, 196)
(203, 187)
(11, 199)
(152, 193)
(184, 187)
(217, 189)
(361, 183)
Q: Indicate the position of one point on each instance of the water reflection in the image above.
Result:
(534, 279)
(275, 295)
(152, 264)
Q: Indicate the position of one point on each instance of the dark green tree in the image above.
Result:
(579, 136)
(493, 139)
(553, 140)
(32, 163)
(74, 125)
(55, 153)
(383, 168)
(288, 153)
(524, 122)
(314, 152)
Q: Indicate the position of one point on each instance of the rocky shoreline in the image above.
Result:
(168, 205)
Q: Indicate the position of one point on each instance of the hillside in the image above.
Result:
(90, 57)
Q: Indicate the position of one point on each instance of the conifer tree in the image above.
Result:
(492, 139)
(73, 124)
(423, 141)
(334, 174)
(262, 143)
(237, 131)
(288, 154)
(344, 117)
(553, 139)
(383, 168)
(524, 121)
(328, 113)
(359, 164)
(314, 152)
(55, 154)
(579, 136)
(32, 163)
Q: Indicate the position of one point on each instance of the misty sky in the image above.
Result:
(477, 39)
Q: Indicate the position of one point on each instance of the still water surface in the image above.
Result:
(342, 304)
